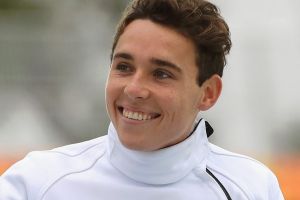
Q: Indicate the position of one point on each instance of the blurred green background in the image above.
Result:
(54, 58)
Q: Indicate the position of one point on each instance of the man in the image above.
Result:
(166, 63)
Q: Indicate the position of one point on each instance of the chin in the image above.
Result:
(135, 145)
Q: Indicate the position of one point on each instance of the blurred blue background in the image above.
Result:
(54, 58)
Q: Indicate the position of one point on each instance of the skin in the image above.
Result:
(153, 72)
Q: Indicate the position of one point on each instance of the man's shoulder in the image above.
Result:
(39, 169)
(62, 156)
(73, 150)
(220, 155)
(243, 171)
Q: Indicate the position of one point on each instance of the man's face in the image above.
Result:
(152, 94)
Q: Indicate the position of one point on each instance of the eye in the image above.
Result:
(162, 74)
(123, 67)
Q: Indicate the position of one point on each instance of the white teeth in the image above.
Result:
(144, 117)
(130, 115)
(136, 115)
(140, 117)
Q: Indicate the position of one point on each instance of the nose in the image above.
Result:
(136, 88)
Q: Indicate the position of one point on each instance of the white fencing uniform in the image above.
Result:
(104, 169)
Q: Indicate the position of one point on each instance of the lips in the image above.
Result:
(137, 115)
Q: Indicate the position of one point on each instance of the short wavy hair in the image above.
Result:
(198, 20)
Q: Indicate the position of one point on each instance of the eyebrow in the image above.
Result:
(156, 61)
(123, 55)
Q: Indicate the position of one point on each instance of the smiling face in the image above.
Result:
(152, 94)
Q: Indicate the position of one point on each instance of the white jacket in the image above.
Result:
(104, 169)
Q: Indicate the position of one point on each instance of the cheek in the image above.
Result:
(112, 88)
(185, 105)
(175, 99)
(168, 98)
(171, 104)
(111, 93)
(108, 93)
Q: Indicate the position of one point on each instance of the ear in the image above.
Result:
(211, 90)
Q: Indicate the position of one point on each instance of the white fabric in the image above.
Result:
(165, 166)
(104, 169)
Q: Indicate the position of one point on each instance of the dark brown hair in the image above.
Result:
(198, 20)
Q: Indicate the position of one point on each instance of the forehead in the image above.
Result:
(145, 37)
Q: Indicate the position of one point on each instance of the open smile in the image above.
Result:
(137, 115)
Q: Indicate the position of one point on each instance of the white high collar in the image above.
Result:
(163, 166)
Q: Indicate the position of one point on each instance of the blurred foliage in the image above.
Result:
(115, 7)
(43, 46)
(19, 5)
